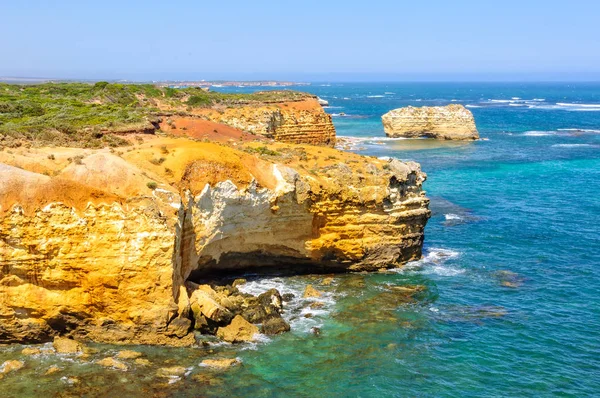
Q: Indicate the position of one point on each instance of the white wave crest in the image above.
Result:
(452, 216)
(375, 96)
(578, 105)
(539, 133)
(574, 146)
(298, 307)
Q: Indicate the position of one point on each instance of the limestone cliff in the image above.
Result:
(299, 122)
(105, 246)
(452, 122)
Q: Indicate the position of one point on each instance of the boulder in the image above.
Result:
(63, 345)
(171, 371)
(238, 282)
(310, 291)
(451, 122)
(327, 281)
(11, 366)
(271, 297)
(142, 362)
(179, 327)
(288, 297)
(128, 354)
(204, 302)
(52, 369)
(275, 325)
(240, 330)
(31, 351)
(113, 363)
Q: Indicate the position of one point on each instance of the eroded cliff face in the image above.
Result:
(452, 122)
(299, 122)
(109, 257)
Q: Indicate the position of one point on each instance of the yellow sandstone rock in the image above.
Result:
(452, 122)
(63, 345)
(223, 363)
(31, 351)
(238, 331)
(310, 291)
(95, 248)
(52, 369)
(111, 362)
(11, 366)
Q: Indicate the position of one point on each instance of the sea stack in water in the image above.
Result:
(452, 122)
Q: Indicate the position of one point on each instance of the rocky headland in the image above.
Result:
(451, 122)
(120, 245)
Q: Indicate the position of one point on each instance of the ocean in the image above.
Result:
(509, 300)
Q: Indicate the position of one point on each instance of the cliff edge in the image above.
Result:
(109, 245)
(451, 122)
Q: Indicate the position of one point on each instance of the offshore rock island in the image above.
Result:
(112, 219)
(451, 122)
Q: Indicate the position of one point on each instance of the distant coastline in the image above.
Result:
(161, 83)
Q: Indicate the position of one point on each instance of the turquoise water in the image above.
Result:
(510, 277)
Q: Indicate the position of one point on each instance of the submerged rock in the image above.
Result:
(52, 369)
(31, 351)
(113, 363)
(327, 281)
(171, 371)
(451, 122)
(239, 331)
(11, 366)
(142, 362)
(223, 363)
(509, 279)
(310, 291)
(128, 354)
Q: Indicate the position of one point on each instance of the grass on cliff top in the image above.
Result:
(85, 115)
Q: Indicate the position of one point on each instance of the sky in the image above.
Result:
(325, 40)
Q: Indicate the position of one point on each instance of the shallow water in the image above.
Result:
(510, 277)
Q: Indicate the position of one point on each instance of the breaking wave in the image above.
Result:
(297, 311)
(434, 262)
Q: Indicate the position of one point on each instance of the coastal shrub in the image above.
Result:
(263, 150)
(88, 115)
(152, 185)
(157, 162)
(199, 100)
(100, 85)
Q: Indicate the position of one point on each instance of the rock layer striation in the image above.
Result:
(452, 122)
(107, 247)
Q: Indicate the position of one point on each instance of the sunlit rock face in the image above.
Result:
(299, 122)
(452, 122)
(107, 249)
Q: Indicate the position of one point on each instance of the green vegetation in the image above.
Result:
(262, 150)
(87, 115)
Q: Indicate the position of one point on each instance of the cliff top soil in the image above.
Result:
(34, 177)
(93, 115)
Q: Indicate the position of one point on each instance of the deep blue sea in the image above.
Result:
(511, 268)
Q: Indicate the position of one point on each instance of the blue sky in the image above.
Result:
(302, 40)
